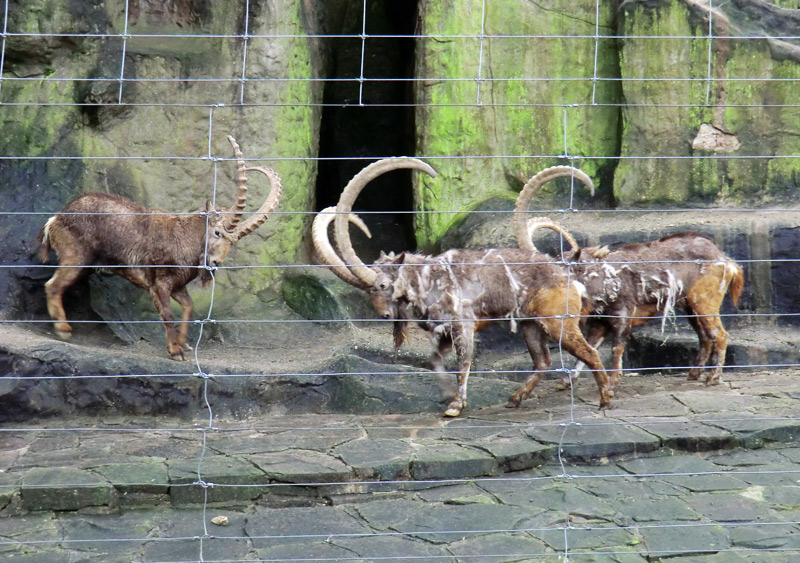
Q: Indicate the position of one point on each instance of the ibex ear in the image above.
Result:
(213, 214)
(382, 255)
(399, 259)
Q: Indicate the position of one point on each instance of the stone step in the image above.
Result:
(108, 463)
(341, 370)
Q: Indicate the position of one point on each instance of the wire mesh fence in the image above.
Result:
(296, 435)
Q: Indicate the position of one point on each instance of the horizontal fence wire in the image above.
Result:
(183, 530)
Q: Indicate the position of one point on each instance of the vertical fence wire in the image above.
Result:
(361, 65)
(124, 53)
(3, 47)
(596, 50)
(710, 44)
(481, 41)
(245, 42)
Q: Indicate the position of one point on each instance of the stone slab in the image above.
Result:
(689, 435)
(595, 441)
(63, 488)
(450, 461)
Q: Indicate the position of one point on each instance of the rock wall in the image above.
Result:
(723, 129)
(499, 95)
(657, 124)
(498, 100)
(162, 146)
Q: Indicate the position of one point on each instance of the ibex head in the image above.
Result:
(225, 227)
(378, 280)
(381, 293)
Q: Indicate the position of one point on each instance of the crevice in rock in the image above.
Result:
(370, 119)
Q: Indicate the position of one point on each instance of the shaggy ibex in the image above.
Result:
(630, 285)
(155, 250)
(456, 292)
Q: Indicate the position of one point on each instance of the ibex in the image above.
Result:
(155, 250)
(457, 292)
(635, 283)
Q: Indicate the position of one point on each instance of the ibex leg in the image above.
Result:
(570, 337)
(161, 299)
(557, 310)
(66, 275)
(705, 299)
(703, 350)
(595, 337)
(443, 343)
(536, 340)
(718, 336)
(463, 335)
(187, 306)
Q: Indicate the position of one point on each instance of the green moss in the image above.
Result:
(753, 113)
(514, 111)
(294, 122)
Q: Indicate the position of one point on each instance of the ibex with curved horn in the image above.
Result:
(457, 292)
(630, 285)
(158, 251)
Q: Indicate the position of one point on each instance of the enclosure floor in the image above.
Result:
(713, 476)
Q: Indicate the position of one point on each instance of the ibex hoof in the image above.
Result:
(604, 405)
(514, 401)
(694, 375)
(178, 356)
(564, 384)
(713, 380)
(454, 409)
(186, 348)
(64, 334)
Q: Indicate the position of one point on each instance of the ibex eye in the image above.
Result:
(217, 233)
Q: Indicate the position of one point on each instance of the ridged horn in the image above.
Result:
(235, 212)
(544, 223)
(325, 250)
(530, 188)
(257, 219)
(348, 197)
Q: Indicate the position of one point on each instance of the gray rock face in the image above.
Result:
(123, 126)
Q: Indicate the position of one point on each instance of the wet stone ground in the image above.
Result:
(674, 471)
(736, 505)
(713, 477)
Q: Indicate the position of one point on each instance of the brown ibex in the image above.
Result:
(630, 285)
(456, 292)
(158, 251)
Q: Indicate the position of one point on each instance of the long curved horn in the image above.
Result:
(241, 194)
(324, 248)
(256, 219)
(348, 197)
(530, 188)
(544, 223)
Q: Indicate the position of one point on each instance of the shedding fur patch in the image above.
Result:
(580, 287)
(728, 273)
(673, 288)
(47, 228)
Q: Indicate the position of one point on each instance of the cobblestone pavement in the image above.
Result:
(713, 477)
